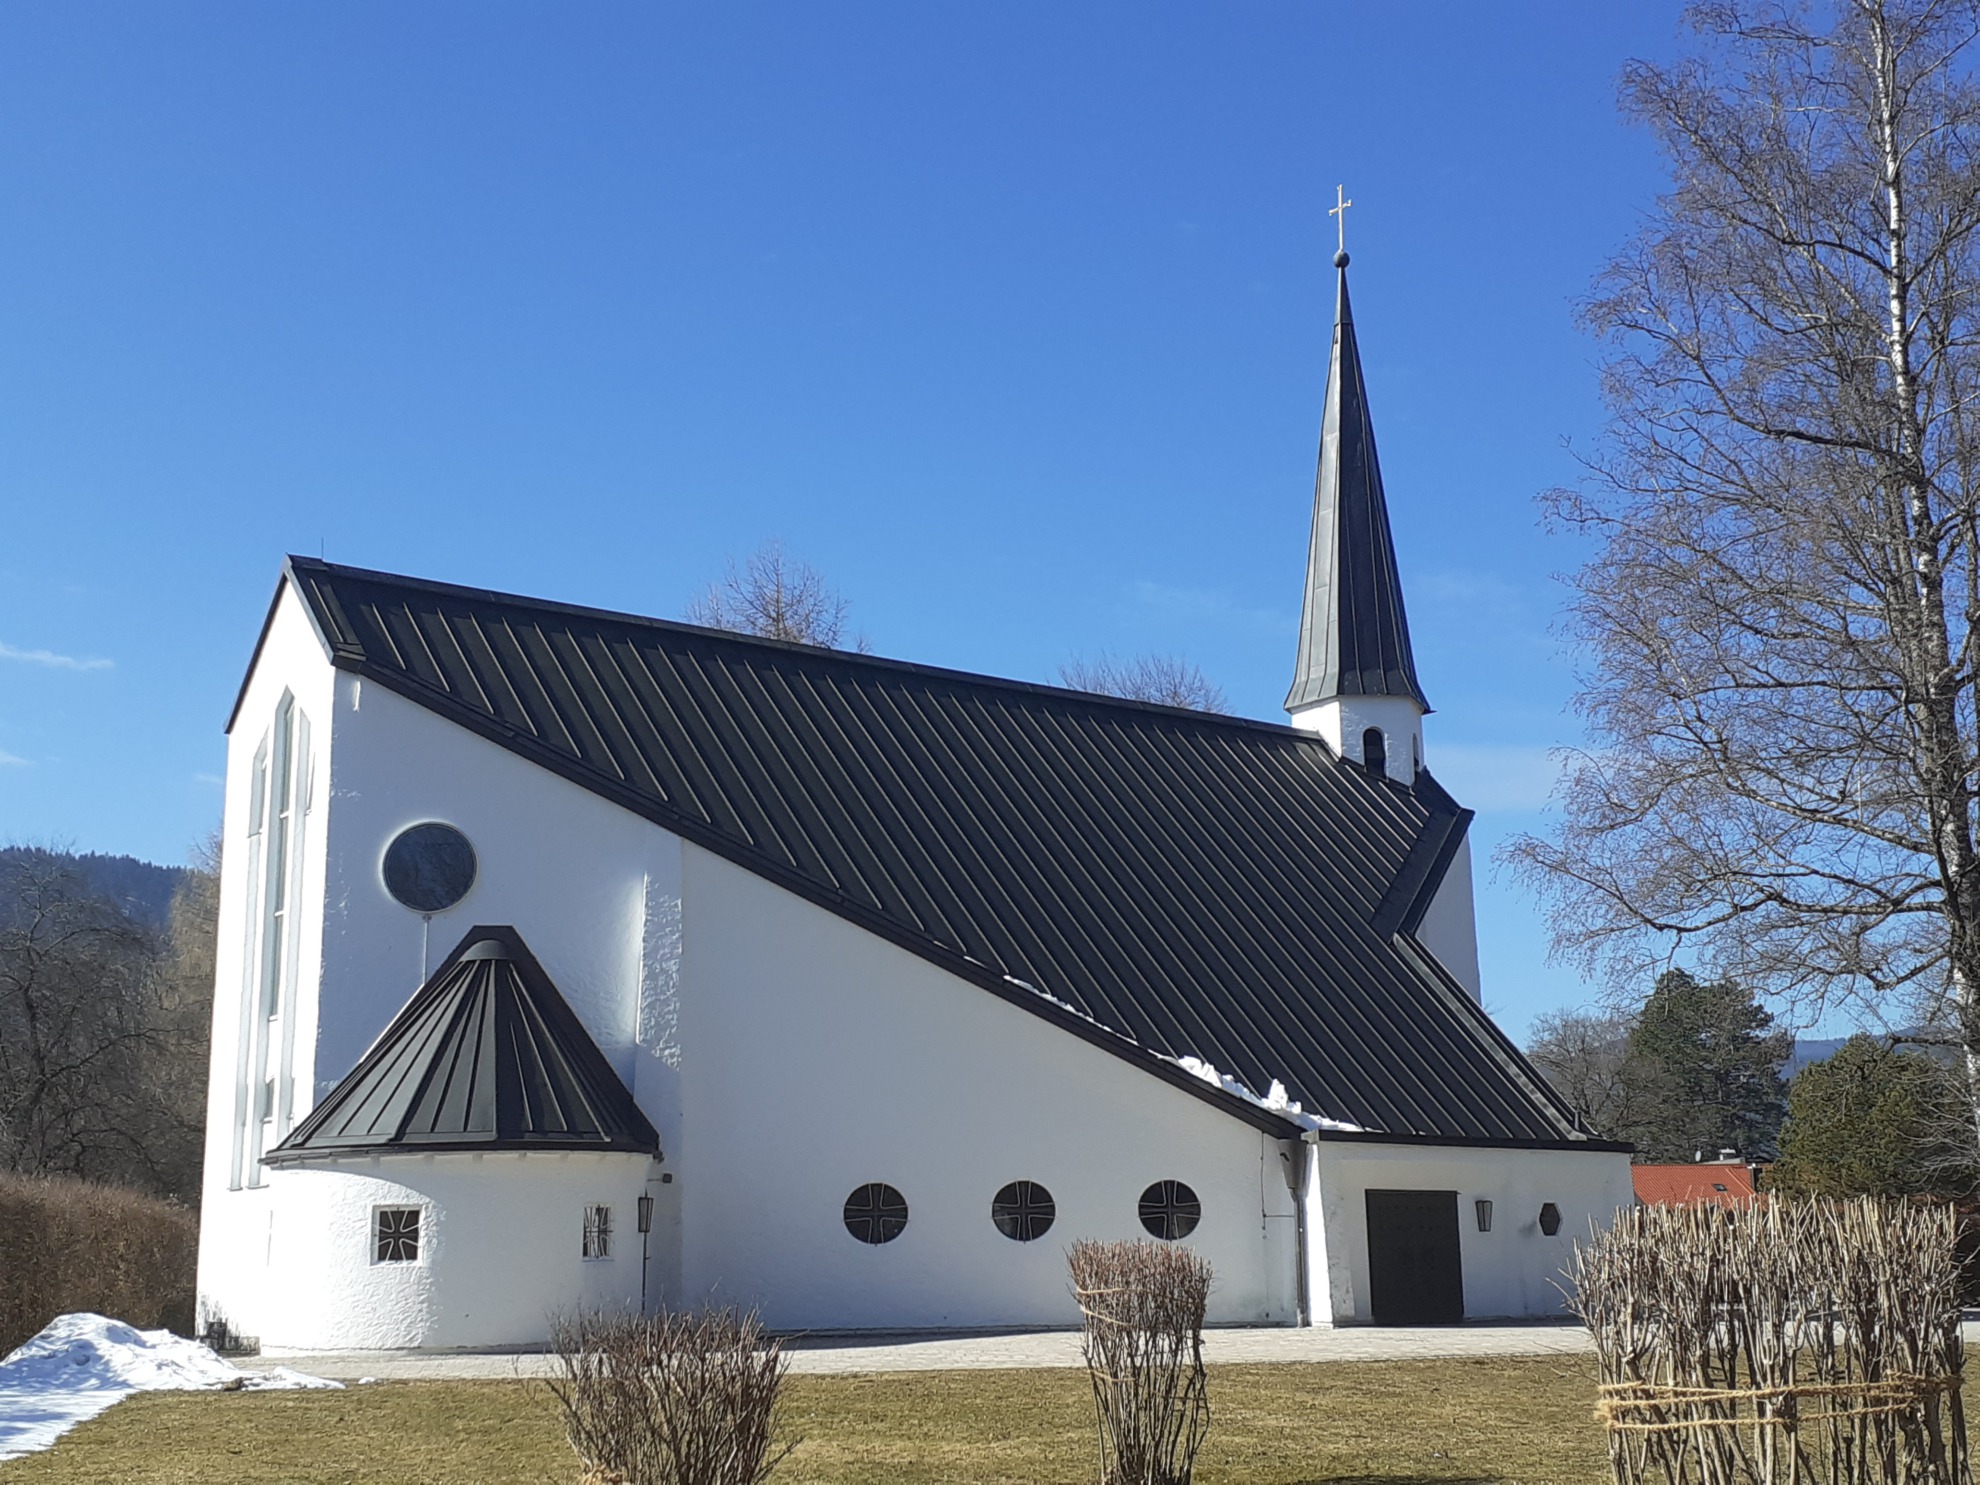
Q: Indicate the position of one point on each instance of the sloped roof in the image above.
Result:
(1701, 1183)
(1353, 633)
(485, 1056)
(1164, 883)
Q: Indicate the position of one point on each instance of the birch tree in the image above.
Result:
(1777, 623)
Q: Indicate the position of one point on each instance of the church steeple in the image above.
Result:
(1355, 678)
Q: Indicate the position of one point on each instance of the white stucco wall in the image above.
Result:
(578, 877)
(564, 867)
(501, 1249)
(233, 1211)
(821, 1058)
(1450, 927)
(1513, 1270)
(1342, 720)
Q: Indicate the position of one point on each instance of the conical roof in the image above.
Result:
(485, 1056)
(1353, 634)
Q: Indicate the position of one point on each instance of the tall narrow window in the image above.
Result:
(281, 822)
(244, 1044)
(276, 812)
(1375, 751)
(597, 1231)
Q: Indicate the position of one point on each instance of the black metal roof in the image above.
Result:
(1353, 634)
(485, 1056)
(1164, 883)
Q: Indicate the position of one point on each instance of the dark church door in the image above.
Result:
(1414, 1276)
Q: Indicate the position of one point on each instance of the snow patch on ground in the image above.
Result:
(1275, 1099)
(81, 1364)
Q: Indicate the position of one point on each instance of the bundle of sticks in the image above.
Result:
(1789, 1343)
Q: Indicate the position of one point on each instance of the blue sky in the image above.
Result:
(1011, 319)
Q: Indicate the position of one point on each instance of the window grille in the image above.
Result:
(395, 1235)
(430, 867)
(597, 1231)
(1170, 1211)
(876, 1213)
(1023, 1211)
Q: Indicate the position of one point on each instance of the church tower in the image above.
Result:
(1355, 680)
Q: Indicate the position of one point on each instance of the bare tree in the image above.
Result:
(77, 982)
(1585, 1055)
(1778, 622)
(172, 1067)
(776, 596)
(103, 1029)
(1167, 680)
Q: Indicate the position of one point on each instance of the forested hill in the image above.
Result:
(142, 889)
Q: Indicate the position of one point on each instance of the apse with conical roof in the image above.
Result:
(1354, 680)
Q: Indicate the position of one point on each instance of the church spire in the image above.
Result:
(1353, 635)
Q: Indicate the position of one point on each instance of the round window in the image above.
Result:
(429, 867)
(1023, 1210)
(876, 1213)
(1170, 1210)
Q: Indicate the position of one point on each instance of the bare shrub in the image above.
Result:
(1141, 1306)
(670, 1399)
(68, 1245)
(1797, 1343)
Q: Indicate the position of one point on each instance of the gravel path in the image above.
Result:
(825, 1355)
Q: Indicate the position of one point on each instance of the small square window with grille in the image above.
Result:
(395, 1235)
(597, 1231)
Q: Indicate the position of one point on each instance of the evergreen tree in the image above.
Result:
(1874, 1120)
(1704, 1066)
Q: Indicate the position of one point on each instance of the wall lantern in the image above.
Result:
(646, 1214)
(1484, 1214)
(1550, 1218)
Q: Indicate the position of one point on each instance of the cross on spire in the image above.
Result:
(1338, 211)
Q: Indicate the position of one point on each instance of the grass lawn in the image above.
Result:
(1344, 1423)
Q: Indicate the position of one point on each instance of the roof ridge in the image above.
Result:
(850, 657)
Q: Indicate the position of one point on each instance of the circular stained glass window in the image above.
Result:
(429, 867)
(1023, 1210)
(876, 1213)
(1170, 1210)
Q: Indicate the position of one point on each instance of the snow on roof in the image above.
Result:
(1275, 1098)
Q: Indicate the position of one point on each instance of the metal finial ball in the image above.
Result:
(1340, 258)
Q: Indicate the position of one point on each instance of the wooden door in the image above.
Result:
(1415, 1276)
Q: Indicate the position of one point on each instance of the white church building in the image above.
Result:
(571, 958)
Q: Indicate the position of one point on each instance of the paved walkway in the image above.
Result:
(1003, 1350)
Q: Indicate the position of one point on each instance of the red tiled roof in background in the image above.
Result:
(1698, 1183)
